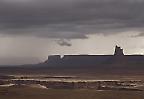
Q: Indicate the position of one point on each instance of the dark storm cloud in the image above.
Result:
(70, 19)
(63, 42)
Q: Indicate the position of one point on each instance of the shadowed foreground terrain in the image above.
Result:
(35, 93)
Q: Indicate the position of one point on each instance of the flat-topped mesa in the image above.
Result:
(94, 60)
(118, 51)
(53, 59)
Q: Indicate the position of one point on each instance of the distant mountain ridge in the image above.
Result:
(94, 60)
(84, 64)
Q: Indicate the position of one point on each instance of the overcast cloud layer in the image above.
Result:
(70, 19)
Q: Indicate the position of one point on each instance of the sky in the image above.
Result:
(30, 30)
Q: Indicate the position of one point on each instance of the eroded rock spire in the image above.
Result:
(118, 51)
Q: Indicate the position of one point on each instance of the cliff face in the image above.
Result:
(93, 60)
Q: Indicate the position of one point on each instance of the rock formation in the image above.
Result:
(94, 60)
(118, 51)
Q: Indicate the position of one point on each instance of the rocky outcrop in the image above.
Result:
(118, 51)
